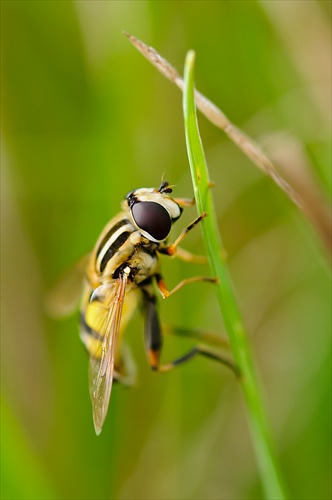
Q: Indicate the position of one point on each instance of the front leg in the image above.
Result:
(171, 249)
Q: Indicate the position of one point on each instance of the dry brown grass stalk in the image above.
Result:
(219, 119)
(306, 199)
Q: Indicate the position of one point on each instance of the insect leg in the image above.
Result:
(199, 335)
(204, 351)
(190, 257)
(171, 249)
(206, 336)
(185, 202)
(153, 335)
(153, 341)
(166, 293)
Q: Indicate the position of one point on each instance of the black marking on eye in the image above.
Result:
(152, 218)
(121, 239)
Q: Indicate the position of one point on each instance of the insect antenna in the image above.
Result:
(165, 187)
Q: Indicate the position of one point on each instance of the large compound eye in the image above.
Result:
(152, 218)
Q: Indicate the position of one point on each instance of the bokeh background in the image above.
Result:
(85, 119)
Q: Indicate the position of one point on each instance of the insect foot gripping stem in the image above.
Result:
(171, 249)
(204, 351)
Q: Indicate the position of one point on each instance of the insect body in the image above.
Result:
(125, 264)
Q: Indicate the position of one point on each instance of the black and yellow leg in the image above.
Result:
(204, 351)
(171, 249)
(153, 335)
(153, 341)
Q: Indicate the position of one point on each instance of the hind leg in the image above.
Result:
(153, 342)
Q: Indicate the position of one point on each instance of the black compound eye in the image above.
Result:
(152, 218)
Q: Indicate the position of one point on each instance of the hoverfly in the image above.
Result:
(124, 264)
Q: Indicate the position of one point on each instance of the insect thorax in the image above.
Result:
(121, 244)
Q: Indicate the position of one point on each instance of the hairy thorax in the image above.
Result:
(144, 261)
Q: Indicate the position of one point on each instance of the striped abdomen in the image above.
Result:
(93, 318)
(120, 245)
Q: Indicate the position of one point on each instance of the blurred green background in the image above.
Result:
(85, 119)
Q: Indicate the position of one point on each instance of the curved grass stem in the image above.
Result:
(266, 458)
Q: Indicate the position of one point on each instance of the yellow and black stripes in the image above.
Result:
(124, 265)
(108, 235)
(116, 235)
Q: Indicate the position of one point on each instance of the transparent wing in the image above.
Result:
(102, 362)
(64, 298)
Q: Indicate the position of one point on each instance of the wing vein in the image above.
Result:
(102, 362)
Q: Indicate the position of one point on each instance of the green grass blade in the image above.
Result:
(262, 441)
